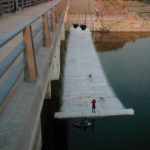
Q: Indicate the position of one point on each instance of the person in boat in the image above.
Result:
(86, 121)
(84, 124)
(93, 105)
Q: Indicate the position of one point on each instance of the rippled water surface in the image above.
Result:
(125, 58)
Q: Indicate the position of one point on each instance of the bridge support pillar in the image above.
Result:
(55, 66)
(62, 32)
(48, 92)
(17, 6)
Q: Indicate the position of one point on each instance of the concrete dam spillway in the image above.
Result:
(84, 79)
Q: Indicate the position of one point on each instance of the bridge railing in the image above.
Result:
(10, 6)
(35, 33)
(7, 6)
(20, 4)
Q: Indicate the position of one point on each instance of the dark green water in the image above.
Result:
(126, 62)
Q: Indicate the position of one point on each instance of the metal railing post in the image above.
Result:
(17, 6)
(46, 31)
(31, 69)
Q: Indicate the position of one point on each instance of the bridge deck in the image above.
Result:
(10, 22)
(79, 88)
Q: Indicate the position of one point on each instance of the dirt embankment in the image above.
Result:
(116, 16)
(107, 14)
(110, 8)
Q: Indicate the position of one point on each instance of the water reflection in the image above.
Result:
(114, 41)
(128, 72)
(128, 69)
(53, 131)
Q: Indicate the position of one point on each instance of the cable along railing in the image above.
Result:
(34, 36)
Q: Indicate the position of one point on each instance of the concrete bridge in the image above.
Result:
(29, 60)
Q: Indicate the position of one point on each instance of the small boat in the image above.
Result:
(84, 125)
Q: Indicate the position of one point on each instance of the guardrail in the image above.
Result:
(7, 6)
(33, 39)
(20, 4)
(10, 6)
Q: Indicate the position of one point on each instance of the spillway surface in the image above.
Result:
(84, 80)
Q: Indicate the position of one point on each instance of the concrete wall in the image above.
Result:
(20, 126)
(55, 66)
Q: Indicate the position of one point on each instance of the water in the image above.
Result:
(125, 60)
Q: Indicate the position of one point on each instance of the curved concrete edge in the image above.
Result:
(117, 112)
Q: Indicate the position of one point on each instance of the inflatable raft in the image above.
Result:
(84, 125)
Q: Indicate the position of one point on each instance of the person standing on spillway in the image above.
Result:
(93, 105)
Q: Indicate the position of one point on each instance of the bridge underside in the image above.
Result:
(84, 79)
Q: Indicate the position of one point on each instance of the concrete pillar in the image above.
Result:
(55, 66)
(62, 32)
(48, 91)
(17, 6)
